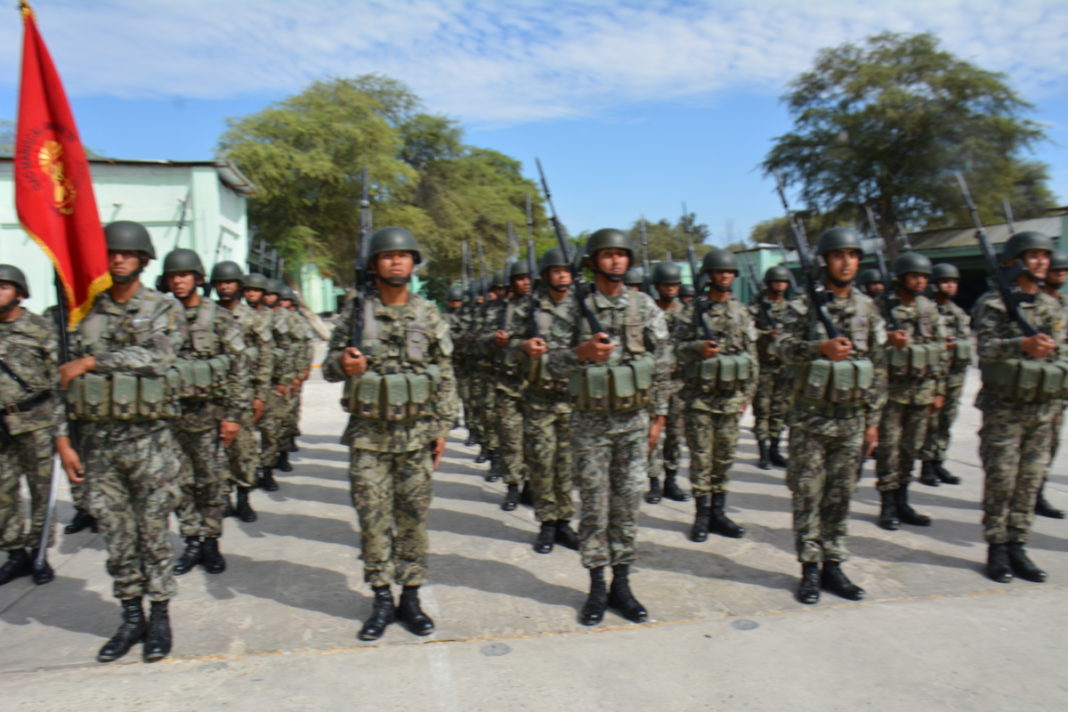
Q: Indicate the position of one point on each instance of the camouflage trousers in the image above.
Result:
(391, 492)
(902, 429)
(1055, 436)
(203, 483)
(291, 424)
(822, 476)
(547, 454)
(243, 455)
(771, 402)
(1014, 447)
(272, 428)
(463, 390)
(611, 457)
(668, 450)
(712, 439)
(483, 407)
(28, 457)
(940, 422)
(132, 486)
(510, 436)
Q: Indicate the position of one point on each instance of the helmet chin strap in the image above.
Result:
(126, 278)
(4, 309)
(396, 281)
(611, 276)
(837, 282)
(559, 287)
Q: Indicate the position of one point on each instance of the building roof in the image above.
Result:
(228, 172)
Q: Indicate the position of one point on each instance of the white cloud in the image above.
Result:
(512, 61)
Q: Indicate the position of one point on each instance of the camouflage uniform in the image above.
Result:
(303, 354)
(770, 401)
(273, 423)
(957, 325)
(508, 388)
(827, 436)
(484, 394)
(912, 389)
(28, 408)
(611, 448)
(1014, 441)
(391, 461)
(243, 454)
(132, 467)
(668, 449)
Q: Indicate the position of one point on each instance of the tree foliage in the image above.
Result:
(885, 124)
(666, 238)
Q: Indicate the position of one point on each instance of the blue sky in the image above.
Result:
(633, 107)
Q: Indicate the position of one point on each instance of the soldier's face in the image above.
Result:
(9, 295)
(253, 296)
(181, 284)
(668, 292)
(914, 282)
(455, 304)
(1036, 262)
(874, 289)
(269, 300)
(949, 287)
(778, 286)
(686, 298)
(1057, 277)
(723, 279)
(227, 289)
(521, 285)
(123, 263)
(394, 265)
(285, 303)
(635, 287)
(612, 260)
(842, 265)
(559, 276)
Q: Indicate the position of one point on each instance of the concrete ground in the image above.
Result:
(277, 630)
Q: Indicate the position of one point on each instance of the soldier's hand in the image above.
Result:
(294, 386)
(871, 440)
(655, 428)
(69, 460)
(438, 449)
(597, 349)
(950, 345)
(500, 338)
(938, 403)
(898, 339)
(257, 409)
(281, 390)
(72, 369)
(1038, 346)
(228, 431)
(353, 363)
(836, 349)
(306, 375)
(709, 349)
(536, 347)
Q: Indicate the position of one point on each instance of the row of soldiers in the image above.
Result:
(166, 403)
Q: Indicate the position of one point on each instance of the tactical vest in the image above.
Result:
(623, 383)
(917, 360)
(1026, 380)
(540, 380)
(203, 372)
(835, 389)
(725, 373)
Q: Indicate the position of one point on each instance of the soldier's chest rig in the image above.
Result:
(727, 372)
(1027, 379)
(19, 393)
(921, 358)
(956, 322)
(625, 381)
(403, 383)
(836, 389)
(540, 379)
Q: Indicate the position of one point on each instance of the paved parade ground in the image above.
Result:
(277, 630)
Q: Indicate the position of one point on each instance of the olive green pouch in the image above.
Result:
(90, 397)
(962, 352)
(220, 371)
(897, 361)
(418, 394)
(917, 355)
(152, 400)
(1001, 376)
(202, 378)
(743, 368)
(643, 373)
(590, 388)
(1029, 381)
(366, 394)
(1052, 381)
(728, 371)
(843, 379)
(865, 374)
(184, 367)
(124, 392)
(395, 397)
(819, 375)
(174, 386)
(623, 389)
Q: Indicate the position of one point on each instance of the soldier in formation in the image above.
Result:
(1055, 280)
(770, 310)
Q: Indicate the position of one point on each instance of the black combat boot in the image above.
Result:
(928, 474)
(228, 508)
(158, 636)
(131, 631)
(82, 520)
(775, 455)
(719, 522)
(411, 615)
(593, 609)
(699, 530)
(621, 599)
(267, 480)
(526, 495)
(762, 447)
(655, 494)
(293, 447)
(41, 574)
(671, 487)
(945, 475)
(906, 513)
(888, 511)
(282, 463)
(482, 456)
(833, 579)
(998, 567)
(18, 564)
(1022, 566)
(495, 471)
(1043, 508)
(808, 591)
(382, 614)
(193, 555)
(565, 535)
(543, 544)
(511, 498)
(244, 509)
(211, 558)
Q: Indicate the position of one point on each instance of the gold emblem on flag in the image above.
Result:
(50, 159)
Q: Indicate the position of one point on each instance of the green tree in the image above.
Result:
(886, 123)
(667, 238)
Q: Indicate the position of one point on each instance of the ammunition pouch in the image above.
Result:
(834, 383)
(914, 361)
(95, 397)
(1027, 381)
(392, 397)
(962, 353)
(202, 379)
(723, 373)
(613, 388)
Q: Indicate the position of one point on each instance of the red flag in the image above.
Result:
(53, 189)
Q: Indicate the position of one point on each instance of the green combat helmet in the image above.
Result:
(394, 239)
(1022, 241)
(518, 269)
(1058, 260)
(719, 260)
(286, 292)
(686, 290)
(255, 280)
(609, 238)
(11, 273)
(274, 287)
(911, 262)
(499, 279)
(838, 238)
(129, 235)
(455, 293)
(666, 273)
(869, 276)
(944, 270)
(183, 260)
(227, 271)
(778, 273)
(634, 275)
(553, 257)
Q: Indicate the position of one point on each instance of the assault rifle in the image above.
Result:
(532, 266)
(1006, 206)
(886, 301)
(647, 277)
(512, 257)
(361, 278)
(765, 310)
(699, 303)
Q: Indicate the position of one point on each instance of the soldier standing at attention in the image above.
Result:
(243, 454)
(1058, 274)
(401, 400)
(916, 359)
(716, 349)
(613, 376)
(1018, 414)
(117, 386)
(664, 459)
(686, 293)
(29, 400)
(303, 355)
(770, 404)
(871, 283)
(273, 423)
(215, 391)
(254, 291)
(958, 330)
(834, 416)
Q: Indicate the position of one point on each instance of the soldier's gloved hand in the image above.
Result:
(257, 409)
(438, 449)
(500, 338)
(536, 347)
(228, 431)
(709, 349)
(598, 349)
(656, 426)
(72, 369)
(1037, 346)
(871, 440)
(836, 349)
(353, 363)
(898, 339)
(69, 459)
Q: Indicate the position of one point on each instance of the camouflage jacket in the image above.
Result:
(958, 327)
(259, 349)
(924, 325)
(675, 312)
(644, 333)
(784, 311)
(304, 341)
(387, 344)
(734, 332)
(286, 346)
(224, 340)
(540, 381)
(859, 320)
(28, 346)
